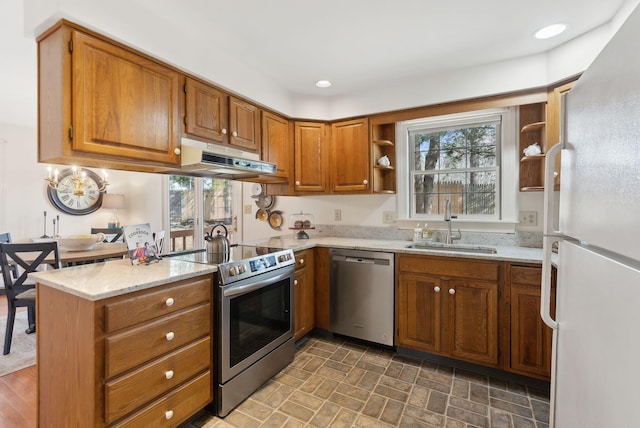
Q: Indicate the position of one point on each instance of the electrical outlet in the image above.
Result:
(388, 216)
(247, 209)
(337, 215)
(529, 218)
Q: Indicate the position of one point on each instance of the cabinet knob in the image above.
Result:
(365, 181)
(436, 289)
(169, 301)
(297, 183)
(234, 133)
(301, 261)
(555, 173)
(168, 414)
(177, 150)
(170, 335)
(295, 282)
(224, 131)
(168, 374)
(452, 291)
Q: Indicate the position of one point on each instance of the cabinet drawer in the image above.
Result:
(303, 258)
(449, 268)
(129, 312)
(129, 392)
(175, 407)
(133, 347)
(526, 275)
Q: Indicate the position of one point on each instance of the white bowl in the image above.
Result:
(79, 242)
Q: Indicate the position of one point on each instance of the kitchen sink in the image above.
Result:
(452, 247)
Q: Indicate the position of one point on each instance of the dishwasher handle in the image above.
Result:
(360, 260)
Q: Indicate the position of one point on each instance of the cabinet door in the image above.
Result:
(244, 125)
(418, 312)
(530, 337)
(473, 320)
(303, 312)
(310, 157)
(350, 156)
(277, 147)
(123, 105)
(206, 111)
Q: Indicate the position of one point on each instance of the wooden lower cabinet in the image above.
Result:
(140, 359)
(303, 314)
(531, 338)
(448, 306)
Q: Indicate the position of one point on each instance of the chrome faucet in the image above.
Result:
(447, 217)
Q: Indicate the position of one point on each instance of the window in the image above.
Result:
(189, 196)
(456, 158)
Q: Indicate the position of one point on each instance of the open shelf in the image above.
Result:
(533, 127)
(383, 136)
(532, 130)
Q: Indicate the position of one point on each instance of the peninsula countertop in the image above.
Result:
(98, 281)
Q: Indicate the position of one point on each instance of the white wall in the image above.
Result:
(24, 198)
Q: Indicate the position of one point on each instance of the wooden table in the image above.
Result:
(100, 251)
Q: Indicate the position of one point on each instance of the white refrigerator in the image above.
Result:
(595, 379)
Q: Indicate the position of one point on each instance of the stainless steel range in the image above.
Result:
(254, 319)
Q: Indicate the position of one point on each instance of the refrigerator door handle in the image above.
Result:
(545, 287)
(549, 206)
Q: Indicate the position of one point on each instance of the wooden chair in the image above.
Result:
(6, 237)
(21, 290)
(117, 233)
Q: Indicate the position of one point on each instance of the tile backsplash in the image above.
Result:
(517, 239)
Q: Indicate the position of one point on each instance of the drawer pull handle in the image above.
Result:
(168, 414)
(452, 291)
(168, 374)
(436, 289)
(170, 335)
(170, 301)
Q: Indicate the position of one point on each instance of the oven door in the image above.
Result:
(256, 317)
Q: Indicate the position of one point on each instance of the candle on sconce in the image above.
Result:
(49, 171)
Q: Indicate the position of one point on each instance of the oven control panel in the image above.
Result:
(241, 269)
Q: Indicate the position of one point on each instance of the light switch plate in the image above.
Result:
(337, 215)
(388, 216)
(247, 209)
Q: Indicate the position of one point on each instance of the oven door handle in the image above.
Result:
(244, 289)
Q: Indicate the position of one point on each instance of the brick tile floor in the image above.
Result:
(336, 383)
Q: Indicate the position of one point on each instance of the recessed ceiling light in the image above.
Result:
(550, 31)
(323, 83)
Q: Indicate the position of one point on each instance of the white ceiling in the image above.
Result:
(357, 44)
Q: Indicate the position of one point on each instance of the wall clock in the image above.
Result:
(76, 201)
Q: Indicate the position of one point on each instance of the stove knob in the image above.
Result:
(232, 271)
(241, 269)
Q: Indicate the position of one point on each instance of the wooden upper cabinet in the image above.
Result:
(310, 157)
(101, 104)
(244, 125)
(277, 145)
(350, 157)
(122, 104)
(205, 111)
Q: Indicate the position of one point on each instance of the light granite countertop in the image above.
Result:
(503, 253)
(102, 280)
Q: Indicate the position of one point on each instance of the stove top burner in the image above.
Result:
(244, 261)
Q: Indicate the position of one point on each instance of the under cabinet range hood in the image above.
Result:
(218, 161)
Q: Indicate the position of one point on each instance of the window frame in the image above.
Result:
(506, 164)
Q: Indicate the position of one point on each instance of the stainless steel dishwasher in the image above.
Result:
(362, 295)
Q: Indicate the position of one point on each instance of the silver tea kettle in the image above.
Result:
(218, 247)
